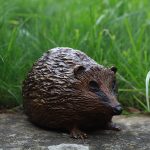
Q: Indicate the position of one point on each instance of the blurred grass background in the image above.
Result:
(110, 31)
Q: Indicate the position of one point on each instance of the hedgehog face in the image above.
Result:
(99, 86)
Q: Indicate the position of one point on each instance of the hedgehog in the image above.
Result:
(68, 90)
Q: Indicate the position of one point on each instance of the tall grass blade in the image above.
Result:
(147, 91)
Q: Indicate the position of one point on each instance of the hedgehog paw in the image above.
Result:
(113, 126)
(77, 134)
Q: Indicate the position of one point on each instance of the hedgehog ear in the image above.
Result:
(79, 70)
(114, 69)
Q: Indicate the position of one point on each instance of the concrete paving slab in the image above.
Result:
(17, 133)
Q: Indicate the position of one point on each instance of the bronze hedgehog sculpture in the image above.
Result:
(66, 89)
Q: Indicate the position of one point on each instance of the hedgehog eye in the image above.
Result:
(93, 86)
(114, 85)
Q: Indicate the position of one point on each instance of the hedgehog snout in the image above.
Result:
(117, 110)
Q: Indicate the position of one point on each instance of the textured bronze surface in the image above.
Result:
(66, 89)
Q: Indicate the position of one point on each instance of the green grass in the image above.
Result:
(110, 31)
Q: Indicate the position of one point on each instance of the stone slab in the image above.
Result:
(17, 133)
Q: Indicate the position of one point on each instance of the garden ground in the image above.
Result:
(17, 133)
